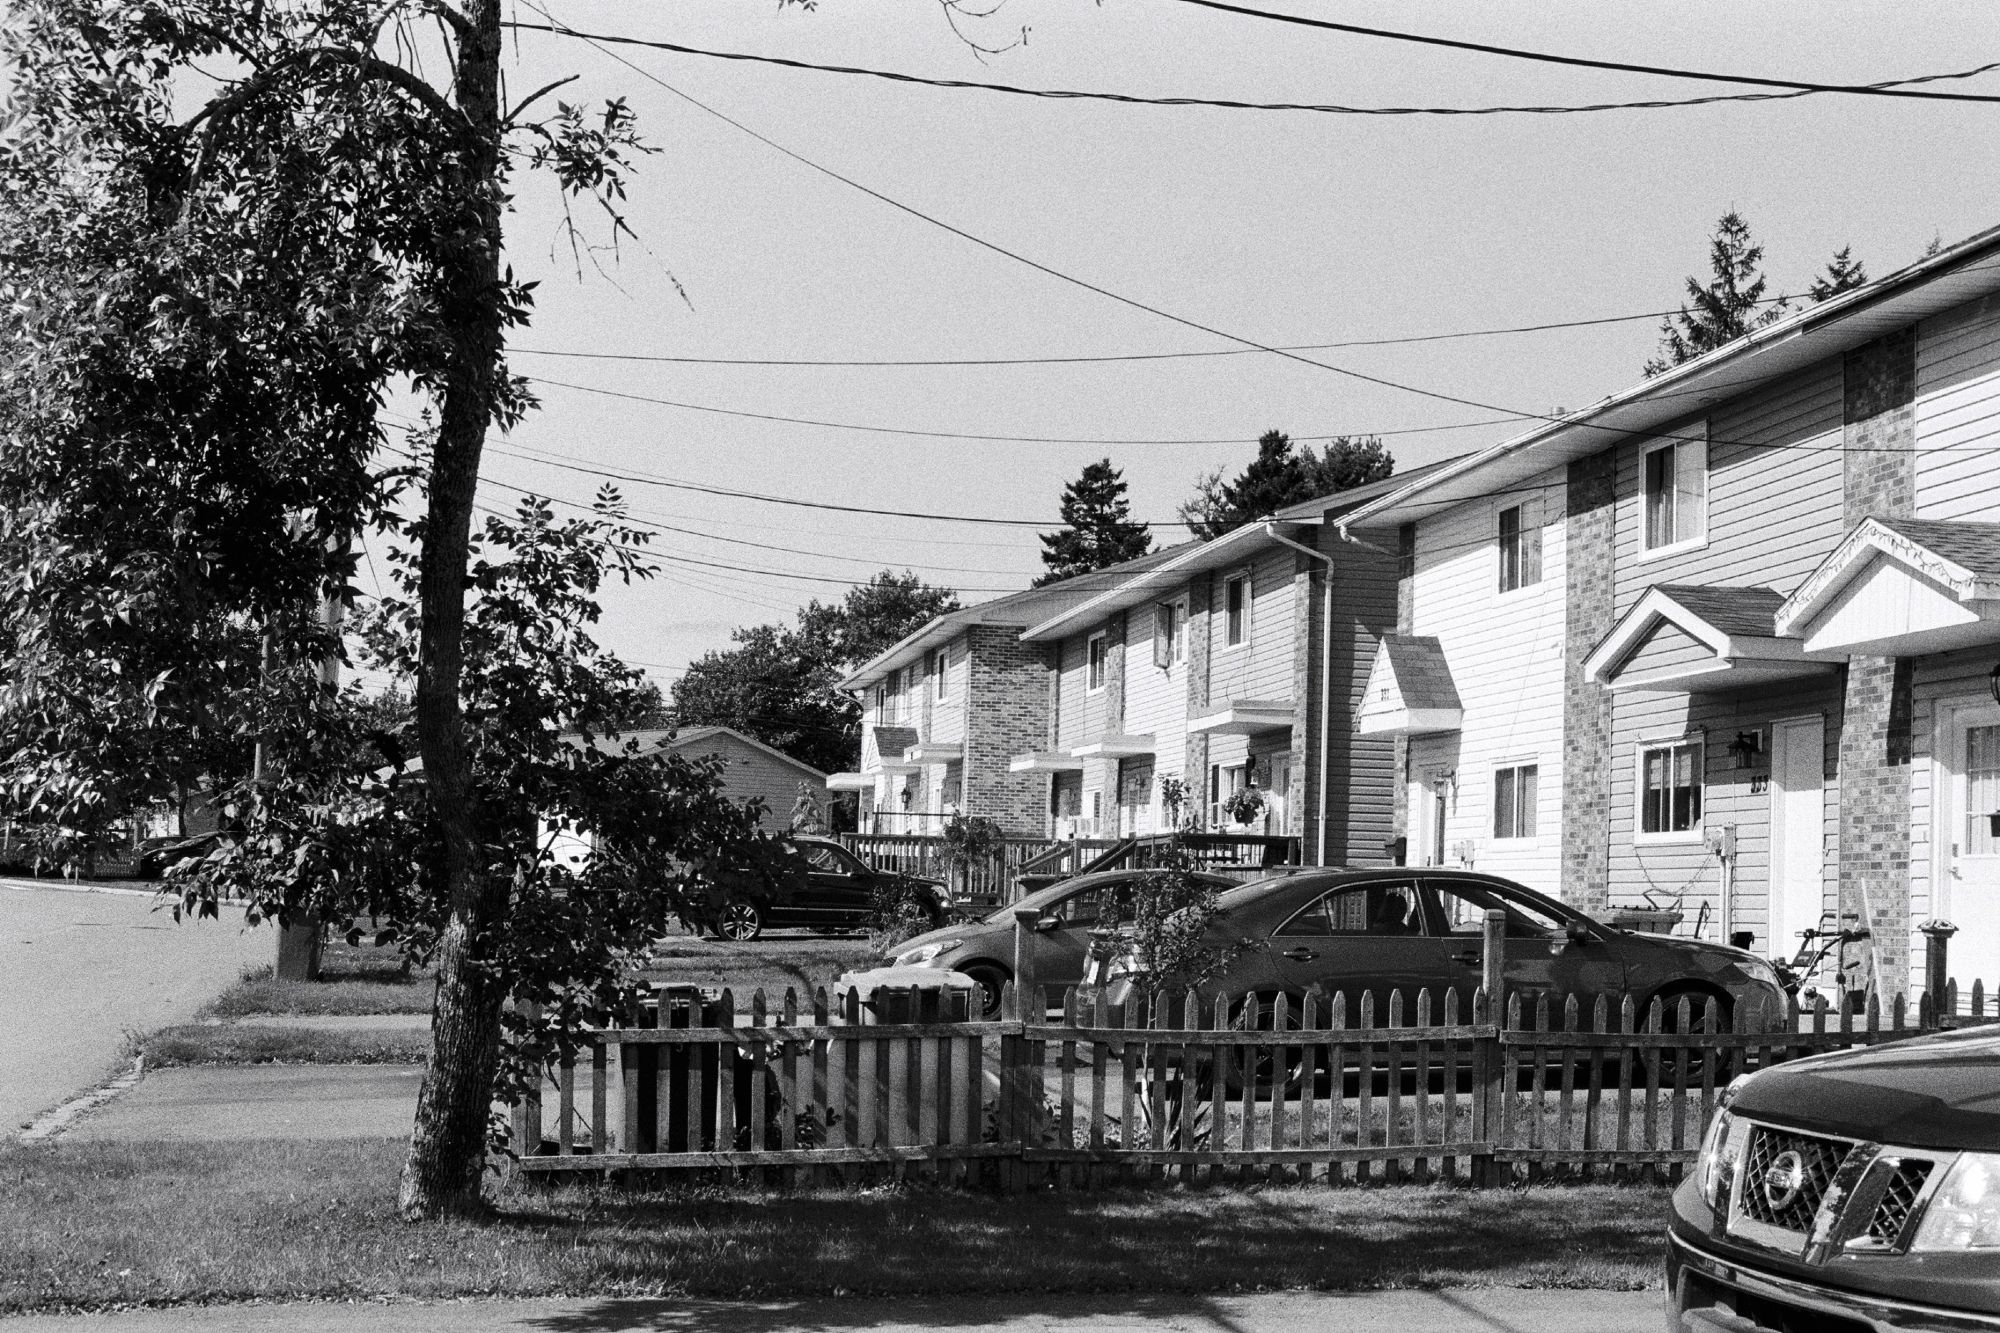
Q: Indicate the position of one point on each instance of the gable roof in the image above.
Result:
(1932, 285)
(1940, 580)
(1410, 691)
(1723, 638)
(649, 739)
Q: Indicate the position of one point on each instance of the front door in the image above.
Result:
(1798, 832)
(1971, 891)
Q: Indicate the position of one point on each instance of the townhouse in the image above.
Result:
(1730, 638)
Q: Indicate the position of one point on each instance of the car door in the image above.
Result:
(1541, 958)
(1059, 951)
(837, 889)
(1359, 939)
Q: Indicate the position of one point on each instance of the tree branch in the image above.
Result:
(395, 76)
(524, 103)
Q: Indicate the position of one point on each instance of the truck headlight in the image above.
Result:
(1721, 1149)
(1964, 1213)
(923, 953)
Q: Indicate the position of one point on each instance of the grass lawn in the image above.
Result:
(231, 1044)
(90, 1225)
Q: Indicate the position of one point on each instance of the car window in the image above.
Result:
(1461, 907)
(1383, 908)
(829, 860)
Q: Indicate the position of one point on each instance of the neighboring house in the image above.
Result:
(751, 770)
(945, 709)
(1234, 664)
(1732, 634)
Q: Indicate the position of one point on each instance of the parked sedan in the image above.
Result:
(1066, 913)
(834, 891)
(1858, 1190)
(1372, 932)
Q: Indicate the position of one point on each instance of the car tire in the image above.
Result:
(1697, 998)
(1264, 1068)
(990, 979)
(739, 921)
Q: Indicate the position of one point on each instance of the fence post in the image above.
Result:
(528, 1111)
(1024, 962)
(1492, 1063)
(1937, 934)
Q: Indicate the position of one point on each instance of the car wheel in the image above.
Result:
(1670, 1023)
(1264, 1067)
(740, 921)
(991, 979)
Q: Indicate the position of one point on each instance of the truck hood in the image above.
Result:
(1927, 1092)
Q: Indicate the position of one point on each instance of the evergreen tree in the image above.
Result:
(1280, 477)
(1098, 530)
(1723, 309)
(1843, 273)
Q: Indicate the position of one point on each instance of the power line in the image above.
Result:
(1889, 89)
(1237, 104)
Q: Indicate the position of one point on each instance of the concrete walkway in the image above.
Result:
(81, 969)
(1472, 1311)
(234, 1103)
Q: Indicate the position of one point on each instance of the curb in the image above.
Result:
(52, 1123)
(73, 886)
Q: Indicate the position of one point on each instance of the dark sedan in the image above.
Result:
(1357, 932)
(1065, 914)
(1856, 1191)
(833, 890)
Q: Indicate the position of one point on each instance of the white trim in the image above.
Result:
(1045, 761)
(1694, 833)
(1102, 670)
(1247, 576)
(1493, 772)
(1115, 747)
(1680, 544)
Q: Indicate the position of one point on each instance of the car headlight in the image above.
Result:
(1721, 1149)
(1964, 1213)
(923, 953)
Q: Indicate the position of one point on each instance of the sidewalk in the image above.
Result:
(1469, 1311)
(237, 1102)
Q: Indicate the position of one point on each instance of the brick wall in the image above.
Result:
(1007, 712)
(1590, 527)
(1114, 674)
(1878, 477)
(1194, 754)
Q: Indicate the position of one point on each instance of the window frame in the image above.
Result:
(1096, 662)
(1680, 448)
(940, 669)
(1695, 742)
(1236, 620)
(1525, 549)
(1531, 808)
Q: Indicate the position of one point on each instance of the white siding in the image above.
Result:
(1958, 413)
(1506, 657)
(1155, 700)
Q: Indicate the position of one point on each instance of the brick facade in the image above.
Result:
(1008, 714)
(1590, 529)
(1194, 768)
(1878, 477)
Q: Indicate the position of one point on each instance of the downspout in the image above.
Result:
(1325, 675)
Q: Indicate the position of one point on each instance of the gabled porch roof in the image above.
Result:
(1410, 691)
(883, 747)
(1901, 587)
(1689, 637)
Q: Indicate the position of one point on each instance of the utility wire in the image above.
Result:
(1889, 89)
(1321, 108)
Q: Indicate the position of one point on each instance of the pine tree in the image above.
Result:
(1280, 477)
(1843, 273)
(1098, 530)
(1726, 307)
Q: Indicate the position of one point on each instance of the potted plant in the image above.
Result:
(1244, 805)
(964, 844)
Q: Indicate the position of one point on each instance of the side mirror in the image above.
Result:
(1578, 933)
(1047, 921)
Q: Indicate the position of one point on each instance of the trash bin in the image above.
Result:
(910, 995)
(1646, 920)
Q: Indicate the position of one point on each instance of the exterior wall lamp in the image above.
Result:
(1747, 750)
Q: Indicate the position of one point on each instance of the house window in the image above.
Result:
(1670, 788)
(1098, 652)
(1675, 494)
(1236, 611)
(881, 703)
(1520, 548)
(1224, 781)
(1514, 801)
(939, 665)
(1169, 633)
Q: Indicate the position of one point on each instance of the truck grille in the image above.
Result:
(1785, 1176)
(1899, 1200)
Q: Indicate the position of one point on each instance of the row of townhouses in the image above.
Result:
(1729, 638)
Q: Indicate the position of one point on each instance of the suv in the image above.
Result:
(1858, 1190)
(835, 890)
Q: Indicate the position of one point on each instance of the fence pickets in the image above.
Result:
(1407, 1085)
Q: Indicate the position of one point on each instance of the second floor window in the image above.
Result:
(940, 664)
(1520, 548)
(1674, 490)
(1670, 788)
(1169, 633)
(1236, 611)
(1514, 801)
(1096, 654)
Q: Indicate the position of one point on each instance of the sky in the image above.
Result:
(1276, 227)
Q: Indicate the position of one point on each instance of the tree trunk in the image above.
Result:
(448, 1142)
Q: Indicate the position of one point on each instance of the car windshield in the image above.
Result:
(1053, 899)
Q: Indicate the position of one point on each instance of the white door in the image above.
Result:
(1971, 897)
(1798, 832)
(1427, 818)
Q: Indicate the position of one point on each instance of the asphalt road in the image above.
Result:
(78, 970)
(1469, 1311)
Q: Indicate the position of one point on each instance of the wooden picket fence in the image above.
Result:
(1076, 1092)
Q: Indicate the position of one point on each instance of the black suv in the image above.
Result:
(832, 890)
(1858, 1190)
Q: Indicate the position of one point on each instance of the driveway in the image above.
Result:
(78, 970)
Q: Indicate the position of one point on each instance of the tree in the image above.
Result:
(1280, 477)
(1098, 530)
(230, 227)
(1843, 273)
(779, 682)
(1726, 307)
